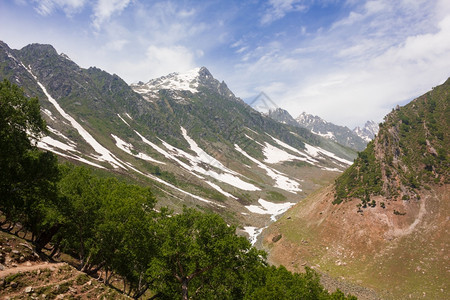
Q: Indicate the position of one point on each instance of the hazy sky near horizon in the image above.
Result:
(347, 61)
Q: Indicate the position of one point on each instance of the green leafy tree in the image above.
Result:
(82, 194)
(278, 283)
(126, 236)
(28, 176)
(19, 118)
(200, 255)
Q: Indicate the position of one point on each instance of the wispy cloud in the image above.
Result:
(378, 54)
(279, 8)
(370, 76)
(47, 7)
(104, 9)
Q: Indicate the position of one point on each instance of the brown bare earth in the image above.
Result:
(23, 275)
(371, 254)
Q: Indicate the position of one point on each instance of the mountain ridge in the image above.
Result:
(356, 139)
(206, 149)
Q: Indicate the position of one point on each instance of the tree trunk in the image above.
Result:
(140, 292)
(184, 289)
(56, 247)
(84, 263)
(45, 237)
(18, 230)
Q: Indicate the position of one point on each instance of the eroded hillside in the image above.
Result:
(384, 224)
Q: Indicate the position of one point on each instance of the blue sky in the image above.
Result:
(347, 61)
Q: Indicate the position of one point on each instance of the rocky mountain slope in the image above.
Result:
(384, 223)
(356, 139)
(185, 135)
(282, 116)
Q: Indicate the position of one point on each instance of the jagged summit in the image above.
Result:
(368, 132)
(307, 119)
(187, 81)
(191, 81)
(282, 116)
(40, 48)
(340, 134)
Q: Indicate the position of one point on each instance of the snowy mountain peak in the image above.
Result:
(307, 119)
(341, 134)
(187, 81)
(190, 81)
(368, 132)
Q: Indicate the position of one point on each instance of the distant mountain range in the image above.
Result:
(185, 134)
(356, 139)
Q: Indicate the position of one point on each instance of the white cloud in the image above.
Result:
(368, 90)
(380, 54)
(116, 45)
(279, 8)
(47, 7)
(158, 61)
(104, 9)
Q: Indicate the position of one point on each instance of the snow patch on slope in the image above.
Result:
(253, 233)
(328, 135)
(281, 180)
(128, 148)
(316, 151)
(195, 164)
(275, 155)
(123, 120)
(304, 157)
(57, 133)
(269, 208)
(105, 154)
(46, 146)
(49, 141)
(49, 114)
(220, 190)
(203, 156)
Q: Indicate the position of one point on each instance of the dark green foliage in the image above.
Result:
(27, 176)
(363, 178)
(199, 251)
(278, 283)
(108, 223)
